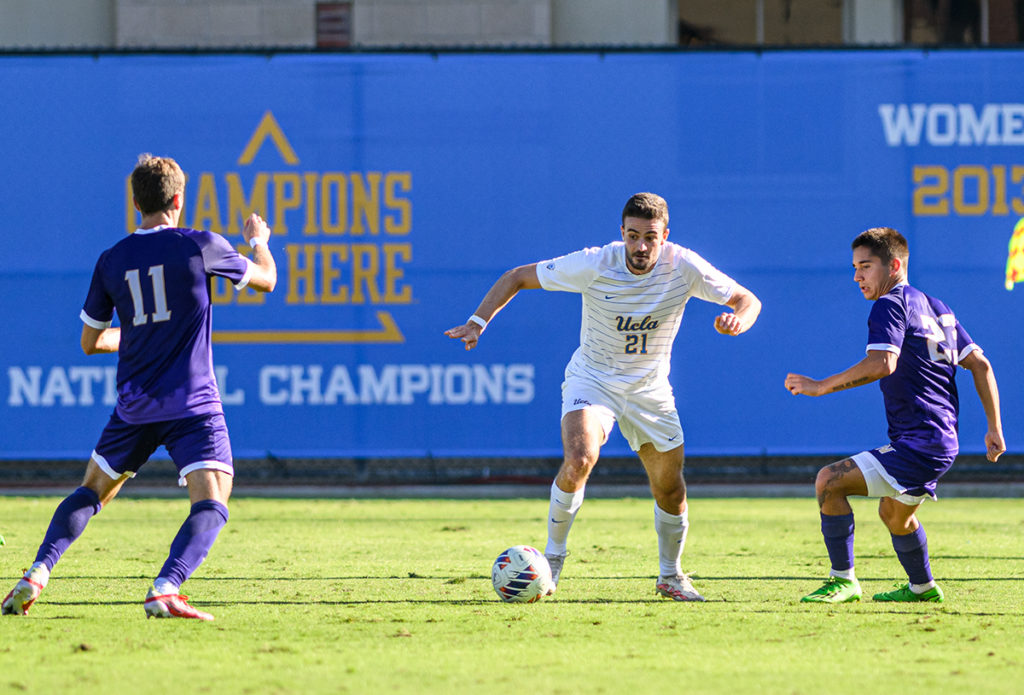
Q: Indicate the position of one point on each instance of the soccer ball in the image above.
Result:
(521, 574)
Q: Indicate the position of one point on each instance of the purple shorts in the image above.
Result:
(194, 443)
(916, 473)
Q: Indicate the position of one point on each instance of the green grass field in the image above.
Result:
(375, 596)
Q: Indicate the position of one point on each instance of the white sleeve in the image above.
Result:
(243, 283)
(708, 282)
(93, 323)
(570, 273)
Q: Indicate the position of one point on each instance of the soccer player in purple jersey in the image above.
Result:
(914, 346)
(158, 281)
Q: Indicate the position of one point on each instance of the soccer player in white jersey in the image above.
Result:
(634, 292)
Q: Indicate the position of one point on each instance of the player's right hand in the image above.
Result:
(468, 333)
(256, 228)
(800, 384)
(994, 445)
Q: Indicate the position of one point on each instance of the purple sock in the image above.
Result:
(838, 533)
(912, 550)
(194, 540)
(67, 524)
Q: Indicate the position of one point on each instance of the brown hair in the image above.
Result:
(646, 206)
(884, 242)
(155, 181)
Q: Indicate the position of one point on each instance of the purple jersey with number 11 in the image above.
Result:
(158, 281)
(921, 401)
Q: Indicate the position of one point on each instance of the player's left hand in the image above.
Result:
(799, 384)
(727, 323)
(995, 445)
(468, 333)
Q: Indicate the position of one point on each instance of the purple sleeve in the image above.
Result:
(220, 258)
(964, 344)
(887, 324)
(98, 311)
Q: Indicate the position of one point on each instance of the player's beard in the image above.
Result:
(643, 264)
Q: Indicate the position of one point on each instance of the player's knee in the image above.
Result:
(896, 519)
(898, 526)
(668, 483)
(821, 482)
(828, 487)
(669, 494)
(577, 465)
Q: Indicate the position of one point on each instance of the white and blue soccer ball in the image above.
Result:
(521, 574)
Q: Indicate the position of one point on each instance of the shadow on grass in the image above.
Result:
(787, 606)
(458, 579)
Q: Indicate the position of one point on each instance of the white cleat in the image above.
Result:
(21, 598)
(555, 562)
(171, 606)
(678, 588)
(26, 591)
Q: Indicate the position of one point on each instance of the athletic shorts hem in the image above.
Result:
(105, 467)
(204, 465)
(881, 484)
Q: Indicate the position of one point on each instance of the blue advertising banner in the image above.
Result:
(399, 187)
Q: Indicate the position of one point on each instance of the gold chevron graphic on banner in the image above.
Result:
(268, 128)
(387, 333)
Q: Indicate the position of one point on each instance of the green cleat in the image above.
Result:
(903, 593)
(835, 590)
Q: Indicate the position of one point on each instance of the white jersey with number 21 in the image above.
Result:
(629, 321)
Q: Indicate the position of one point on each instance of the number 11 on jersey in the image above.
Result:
(160, 312)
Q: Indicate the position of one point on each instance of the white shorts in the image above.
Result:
(646, 416)
(880, 483)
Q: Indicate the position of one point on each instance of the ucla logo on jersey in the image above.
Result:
(627, 323)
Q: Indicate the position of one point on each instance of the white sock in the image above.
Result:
(163, 587)
(921, 588)
(843, 574)
(671, 529)
(561, 513)
(38, 573)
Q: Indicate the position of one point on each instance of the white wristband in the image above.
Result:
(478, 321)
(254, 242)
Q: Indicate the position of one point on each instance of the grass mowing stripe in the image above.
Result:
(360, 596)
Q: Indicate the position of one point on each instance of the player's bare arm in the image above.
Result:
(501, 293)
(877, 365)
(745, 309)
(264, 273)
(96, 341)
(985, 384)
